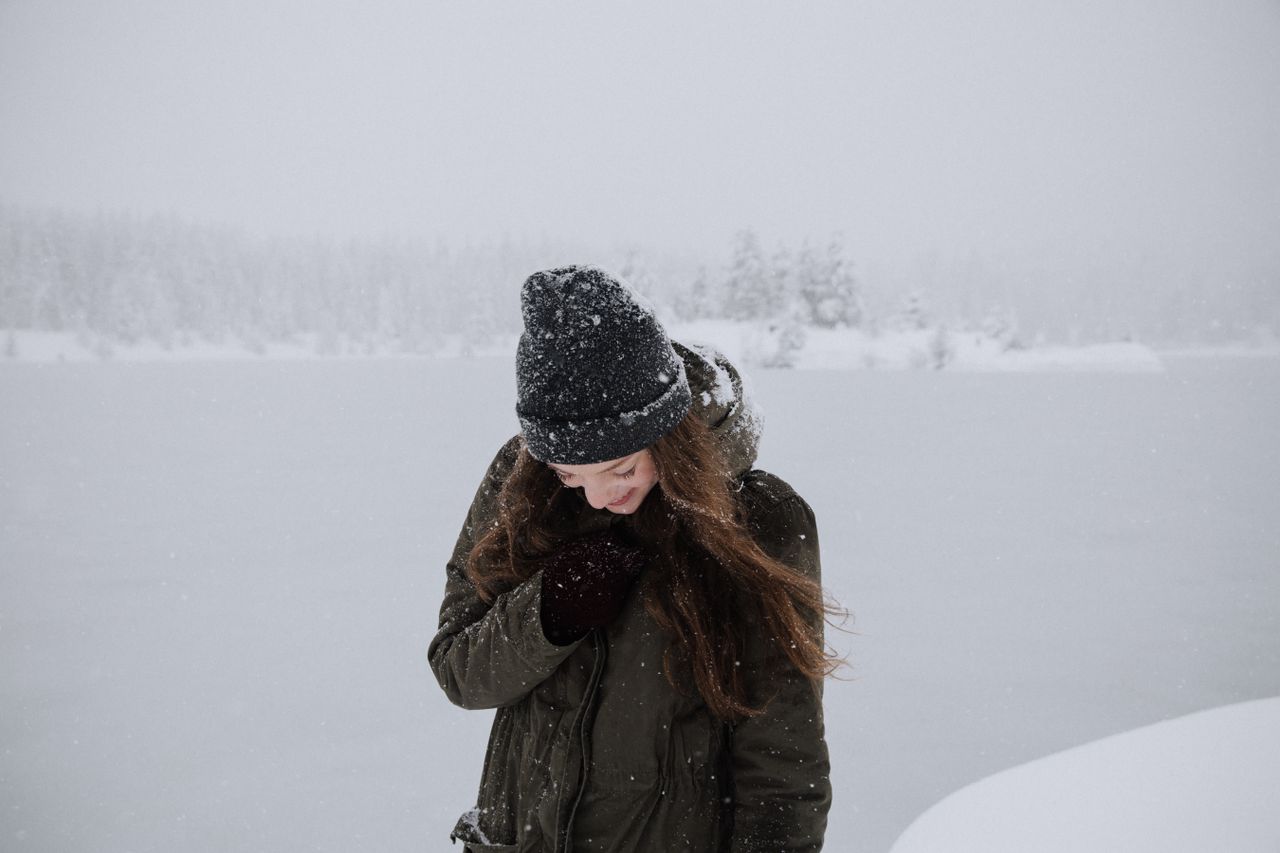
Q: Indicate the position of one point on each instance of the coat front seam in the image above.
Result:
(584, 720)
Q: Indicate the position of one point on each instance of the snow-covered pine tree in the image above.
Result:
(697, 301)
(827, 287)
(749, 288)
(914, 313)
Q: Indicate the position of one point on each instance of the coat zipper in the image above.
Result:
(582, 726)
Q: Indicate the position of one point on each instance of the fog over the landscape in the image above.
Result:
(1001, 276)
(1100, 144)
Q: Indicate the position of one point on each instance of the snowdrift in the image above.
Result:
(1205, 782)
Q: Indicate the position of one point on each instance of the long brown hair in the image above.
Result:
(710, 582)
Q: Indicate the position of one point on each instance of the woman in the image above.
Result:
(643, 609)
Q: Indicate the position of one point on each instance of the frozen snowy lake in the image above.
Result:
(218, 581)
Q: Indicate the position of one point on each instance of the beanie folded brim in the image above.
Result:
(579, 441)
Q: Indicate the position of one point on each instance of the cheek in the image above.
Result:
(647, 483)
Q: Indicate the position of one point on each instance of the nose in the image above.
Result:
(598, 496)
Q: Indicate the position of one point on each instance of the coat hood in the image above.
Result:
(721, 401)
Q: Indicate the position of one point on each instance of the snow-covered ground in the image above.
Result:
(1204, 782)
(749, 344)
(218, 581)
(931, 348)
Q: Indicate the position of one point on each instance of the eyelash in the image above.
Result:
(626, 475)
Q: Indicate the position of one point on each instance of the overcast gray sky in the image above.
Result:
(996, 127)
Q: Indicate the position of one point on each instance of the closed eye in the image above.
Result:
(565, 476)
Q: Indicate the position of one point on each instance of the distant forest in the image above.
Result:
(121, 279)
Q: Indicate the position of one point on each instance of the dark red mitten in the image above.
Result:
(585, 583)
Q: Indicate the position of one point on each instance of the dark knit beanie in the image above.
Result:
(596, 376)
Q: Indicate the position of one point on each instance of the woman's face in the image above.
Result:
(620, 485)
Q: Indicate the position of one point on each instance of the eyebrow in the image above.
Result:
(623, 461)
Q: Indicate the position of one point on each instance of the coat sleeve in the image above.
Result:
(781, 770)
(486, 655)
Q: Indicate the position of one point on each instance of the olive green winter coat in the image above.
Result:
(591, 747)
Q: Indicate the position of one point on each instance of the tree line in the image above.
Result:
(124, 279)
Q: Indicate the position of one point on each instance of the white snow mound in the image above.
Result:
(1205, 782)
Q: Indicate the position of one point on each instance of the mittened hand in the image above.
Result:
(585, 583)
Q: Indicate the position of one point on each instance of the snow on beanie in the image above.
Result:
(596, 376)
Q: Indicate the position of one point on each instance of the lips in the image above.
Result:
(622, 500)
